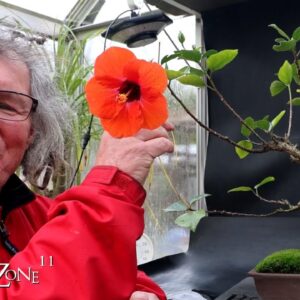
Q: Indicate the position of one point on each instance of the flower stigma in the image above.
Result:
(128, 92)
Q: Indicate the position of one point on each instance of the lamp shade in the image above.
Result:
(138, 31)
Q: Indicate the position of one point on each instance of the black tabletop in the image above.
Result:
(244, 290)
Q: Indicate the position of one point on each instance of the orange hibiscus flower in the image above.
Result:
(126, 93)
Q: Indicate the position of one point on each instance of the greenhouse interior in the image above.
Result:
(154, 137)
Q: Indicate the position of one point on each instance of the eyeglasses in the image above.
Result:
(15, 106)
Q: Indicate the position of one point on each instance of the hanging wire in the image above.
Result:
(87, 136)
(169, 37)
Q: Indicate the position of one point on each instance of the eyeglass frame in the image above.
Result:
(34, 106)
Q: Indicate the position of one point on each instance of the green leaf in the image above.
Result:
(279, 40)
(240, 189)
(251, 123)
(285, 46)
(262, 124)
(181, 37)
(192, 55)
(167, 58)
(279, 30)
(296, 101)
(190, 219)
(296, 34)
(295, 74)
(219, 60)
(191, 70)
(191, 79)
(277, 87)
(265, 181)
(172, 74)
(276, 120)
(243, 153)
(285, 73)
(191, 201)
(210, 52)
(176, 206)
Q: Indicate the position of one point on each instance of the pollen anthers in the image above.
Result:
(122, 98)
(128, 91)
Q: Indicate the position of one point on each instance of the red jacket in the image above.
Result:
(82, 247)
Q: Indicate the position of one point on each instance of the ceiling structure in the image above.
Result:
(83, 13)
(179, 7)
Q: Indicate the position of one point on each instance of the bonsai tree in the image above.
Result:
(257, 135)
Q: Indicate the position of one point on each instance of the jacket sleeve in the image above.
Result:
(144, 283)
(87, 248)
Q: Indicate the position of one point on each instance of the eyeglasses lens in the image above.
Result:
(14, 107)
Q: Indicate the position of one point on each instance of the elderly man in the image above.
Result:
(82, 244)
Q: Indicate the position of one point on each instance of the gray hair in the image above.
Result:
(51, 121)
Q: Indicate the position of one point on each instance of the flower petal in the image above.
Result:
(148, 75)
(155, 111)
(112, 62)
(127, 123)
(101, 99)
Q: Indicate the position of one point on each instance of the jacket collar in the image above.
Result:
(14, 194)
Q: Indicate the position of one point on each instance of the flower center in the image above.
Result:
(129, 91)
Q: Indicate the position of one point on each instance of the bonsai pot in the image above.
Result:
(276, 286)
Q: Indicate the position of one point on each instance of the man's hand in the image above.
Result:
(134, 155)
(143, 296)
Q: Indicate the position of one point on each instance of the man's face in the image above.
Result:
(15, 136)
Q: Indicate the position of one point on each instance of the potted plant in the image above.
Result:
(277, 277)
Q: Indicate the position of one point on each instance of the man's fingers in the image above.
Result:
(159, 146)
(143, 296)
(146, 134)
(168, 126)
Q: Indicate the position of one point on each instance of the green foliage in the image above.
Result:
(180, 206)
(265, 181)
(285, 261)
(197, 198)
(181, 38)
(245, 144)
(295, 73)
(296, 34)
(240, 189)
(285, 43)
(276, 120)
(258, 135)
(190, 219)
(191, 79)
(190, 55)
(255, 188)
(285, 73)
(277, 87)
(173, 74)
(191, 70)
(296, 101)
(220, 59)
(285, 46)
(72, 72)
(176, 206)
(280, 31)
(246, 132)
(263, 124)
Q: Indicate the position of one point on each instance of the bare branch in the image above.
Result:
(213, 132)
(226, 103)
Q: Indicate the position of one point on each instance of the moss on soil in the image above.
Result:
(284, 261)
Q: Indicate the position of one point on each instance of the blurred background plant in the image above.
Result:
(71, 74)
